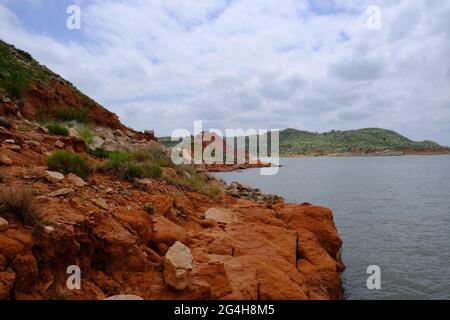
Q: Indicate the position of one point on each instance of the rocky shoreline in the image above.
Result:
(387, 153)
(153, 240)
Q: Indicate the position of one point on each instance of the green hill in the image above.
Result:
(353, 142)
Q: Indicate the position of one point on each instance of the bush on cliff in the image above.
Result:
(153, 156)
(57, 129)
(68, 162)
(130, 165)
(152, 171)
(100, 153)
(149, 164)
(20, 202)
(14, 84)
(197, 181)
(72, 114)
(86, 135)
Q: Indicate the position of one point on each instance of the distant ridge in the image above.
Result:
(360, 142)
(368, 141)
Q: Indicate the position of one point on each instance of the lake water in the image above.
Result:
(393, 212)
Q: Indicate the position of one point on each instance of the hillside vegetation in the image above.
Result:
(35, 92)
(362, 141)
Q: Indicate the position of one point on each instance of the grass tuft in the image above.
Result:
(68, 162)
(86, 135)
(20, 202)
(57, 129)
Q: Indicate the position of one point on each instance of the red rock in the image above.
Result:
(162, 203)
(5, 160)
(139, 220)
(26, 268)
(215, 274)
(178, 263)
(6, 284)
(183, 203)
(168, 232)
(320, 270)
(318, 220)
(270, 241)
(10, 247)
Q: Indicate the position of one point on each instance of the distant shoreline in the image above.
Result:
(368, 155)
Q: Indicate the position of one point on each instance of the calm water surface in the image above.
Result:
(393, 212)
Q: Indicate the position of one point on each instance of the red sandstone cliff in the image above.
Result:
(286, 251)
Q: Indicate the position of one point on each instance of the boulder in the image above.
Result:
(49, 229)
(221, 215)
(178, 265)
(5, 160)
(54, 176)
(101, 203)
(97, 142)
(73, 132)
(59, 144)
(110, 145)
(76, 181)
(33, 143)
(61, 192)
(14, 147)
(4, 225)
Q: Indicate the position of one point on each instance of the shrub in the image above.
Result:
(141, 156)
(57, 129)
(100, 153)
(5, 123)
(67, 162)
(15, 84)
(152, 171)
(149, 208)
(41, 224)
(20, 202)
(118, 163)
(139, 164)
(155, 156)
(133, 171)
(196, 181)
(86, 135)
(72, 114)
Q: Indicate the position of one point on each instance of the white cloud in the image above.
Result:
(258, 63)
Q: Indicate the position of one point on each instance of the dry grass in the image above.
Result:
(20, 202)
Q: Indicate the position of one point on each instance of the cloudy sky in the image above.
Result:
(313, 65)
